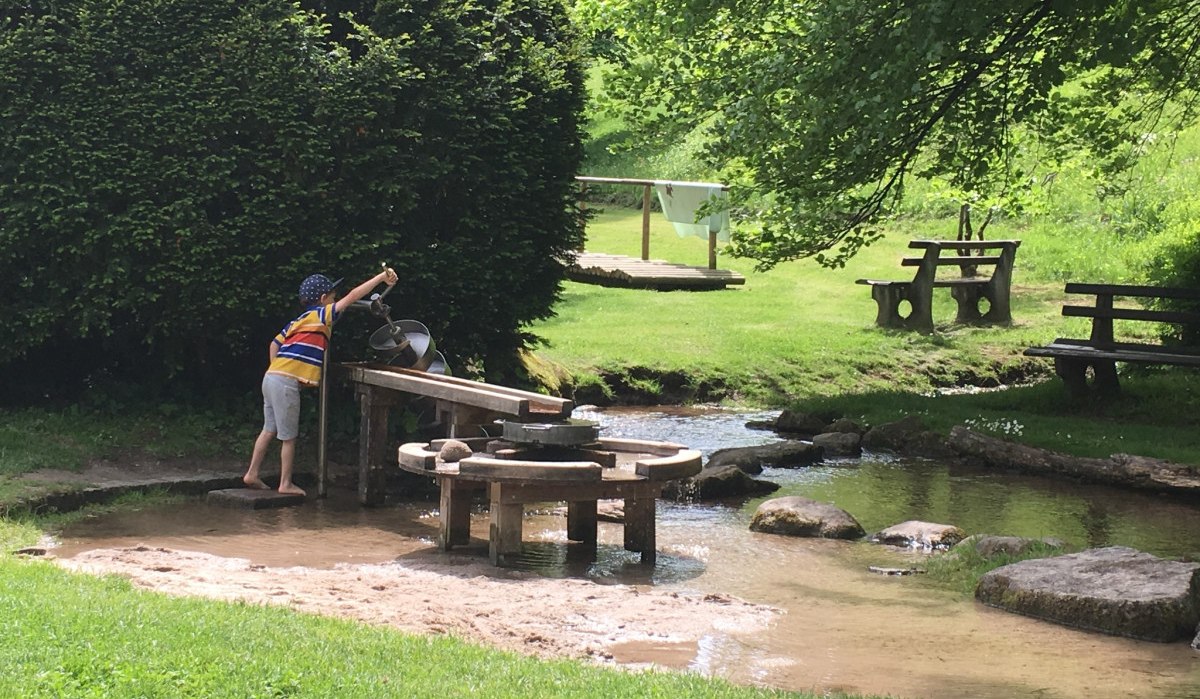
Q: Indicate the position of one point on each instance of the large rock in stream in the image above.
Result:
(1115, 590)
(1124, 470)
(797, 516)
(716, 482)
(786, 454)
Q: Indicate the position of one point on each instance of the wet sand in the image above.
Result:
(462, 597)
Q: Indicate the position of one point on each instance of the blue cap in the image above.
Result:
(315, 286)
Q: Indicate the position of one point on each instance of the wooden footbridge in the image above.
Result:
(632, 273)
(645, 273)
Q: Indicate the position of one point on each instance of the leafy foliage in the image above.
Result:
(827, 107)
(170, 171)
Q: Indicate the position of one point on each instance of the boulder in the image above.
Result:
(786, 454)
(1115, 590)
(845, 424)
(1118, 469)
(893, 435)
(453, 451)
(839, 443)
(715, 482)
(989, 545)
(923, 535)
(799, 423)
(798, 516)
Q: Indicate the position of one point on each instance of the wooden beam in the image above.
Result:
(425, 385)
(646, 222)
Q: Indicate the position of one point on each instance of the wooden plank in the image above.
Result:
(567, 492)
(425, 386)
(640, 446)
(414, 457)
(508, 469)
(543, 402)
(1133, 290)
(964, 244)
(968, 282)
(1132, 314)
(959, 260)
(668, 468)
(1121, 355)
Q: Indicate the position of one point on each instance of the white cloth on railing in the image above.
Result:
(681, 200)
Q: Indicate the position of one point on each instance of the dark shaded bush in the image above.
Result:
(170, 171)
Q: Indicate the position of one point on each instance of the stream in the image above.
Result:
(842, 628)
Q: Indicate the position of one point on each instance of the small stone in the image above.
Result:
(453, 451)
(925, 535)
(798, 516)
(895, 571)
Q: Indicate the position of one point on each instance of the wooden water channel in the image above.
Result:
(632, 470)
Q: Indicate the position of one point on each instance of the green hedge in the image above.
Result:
(171, 169)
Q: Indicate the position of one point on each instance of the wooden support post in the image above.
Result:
(712, 249)
(646, 221)
(639, 526)
(372, 444)
(581, 521)
(504, 532)
(455, 523)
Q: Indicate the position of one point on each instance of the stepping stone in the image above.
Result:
(1115, 590)
(253, 498)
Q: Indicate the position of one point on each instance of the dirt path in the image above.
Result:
(508, 609)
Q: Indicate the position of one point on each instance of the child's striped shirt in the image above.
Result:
(302, 344)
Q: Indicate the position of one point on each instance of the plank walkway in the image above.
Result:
(630, 272)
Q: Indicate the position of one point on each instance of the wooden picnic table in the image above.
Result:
(968, 290)
(1101, 350)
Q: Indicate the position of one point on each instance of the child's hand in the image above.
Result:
(390, 277)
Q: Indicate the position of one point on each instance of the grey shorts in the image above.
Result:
(281, 406)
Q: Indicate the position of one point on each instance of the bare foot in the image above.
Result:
(255, 483)
(291, 490)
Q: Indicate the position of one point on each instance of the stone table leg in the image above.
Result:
(373, 454)
(455, 522)
(639, 526)
(504, 535)
(581, 521)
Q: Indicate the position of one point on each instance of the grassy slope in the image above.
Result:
(797, 331)
(804, 335)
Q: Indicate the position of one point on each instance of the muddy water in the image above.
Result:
(843, 627)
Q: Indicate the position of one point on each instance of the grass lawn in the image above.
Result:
(804, 336)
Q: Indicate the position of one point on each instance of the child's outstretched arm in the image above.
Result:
(387, 276)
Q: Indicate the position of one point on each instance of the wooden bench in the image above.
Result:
(1101, 351)
(968, 290)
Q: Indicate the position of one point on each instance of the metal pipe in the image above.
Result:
(322, 460)
(323, 407)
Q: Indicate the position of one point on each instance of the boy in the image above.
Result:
(297, 353)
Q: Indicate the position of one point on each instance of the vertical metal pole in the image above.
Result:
(322, 432)
(646, 222)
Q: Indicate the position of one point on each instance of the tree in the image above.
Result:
(826, 106)
(169, 172)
